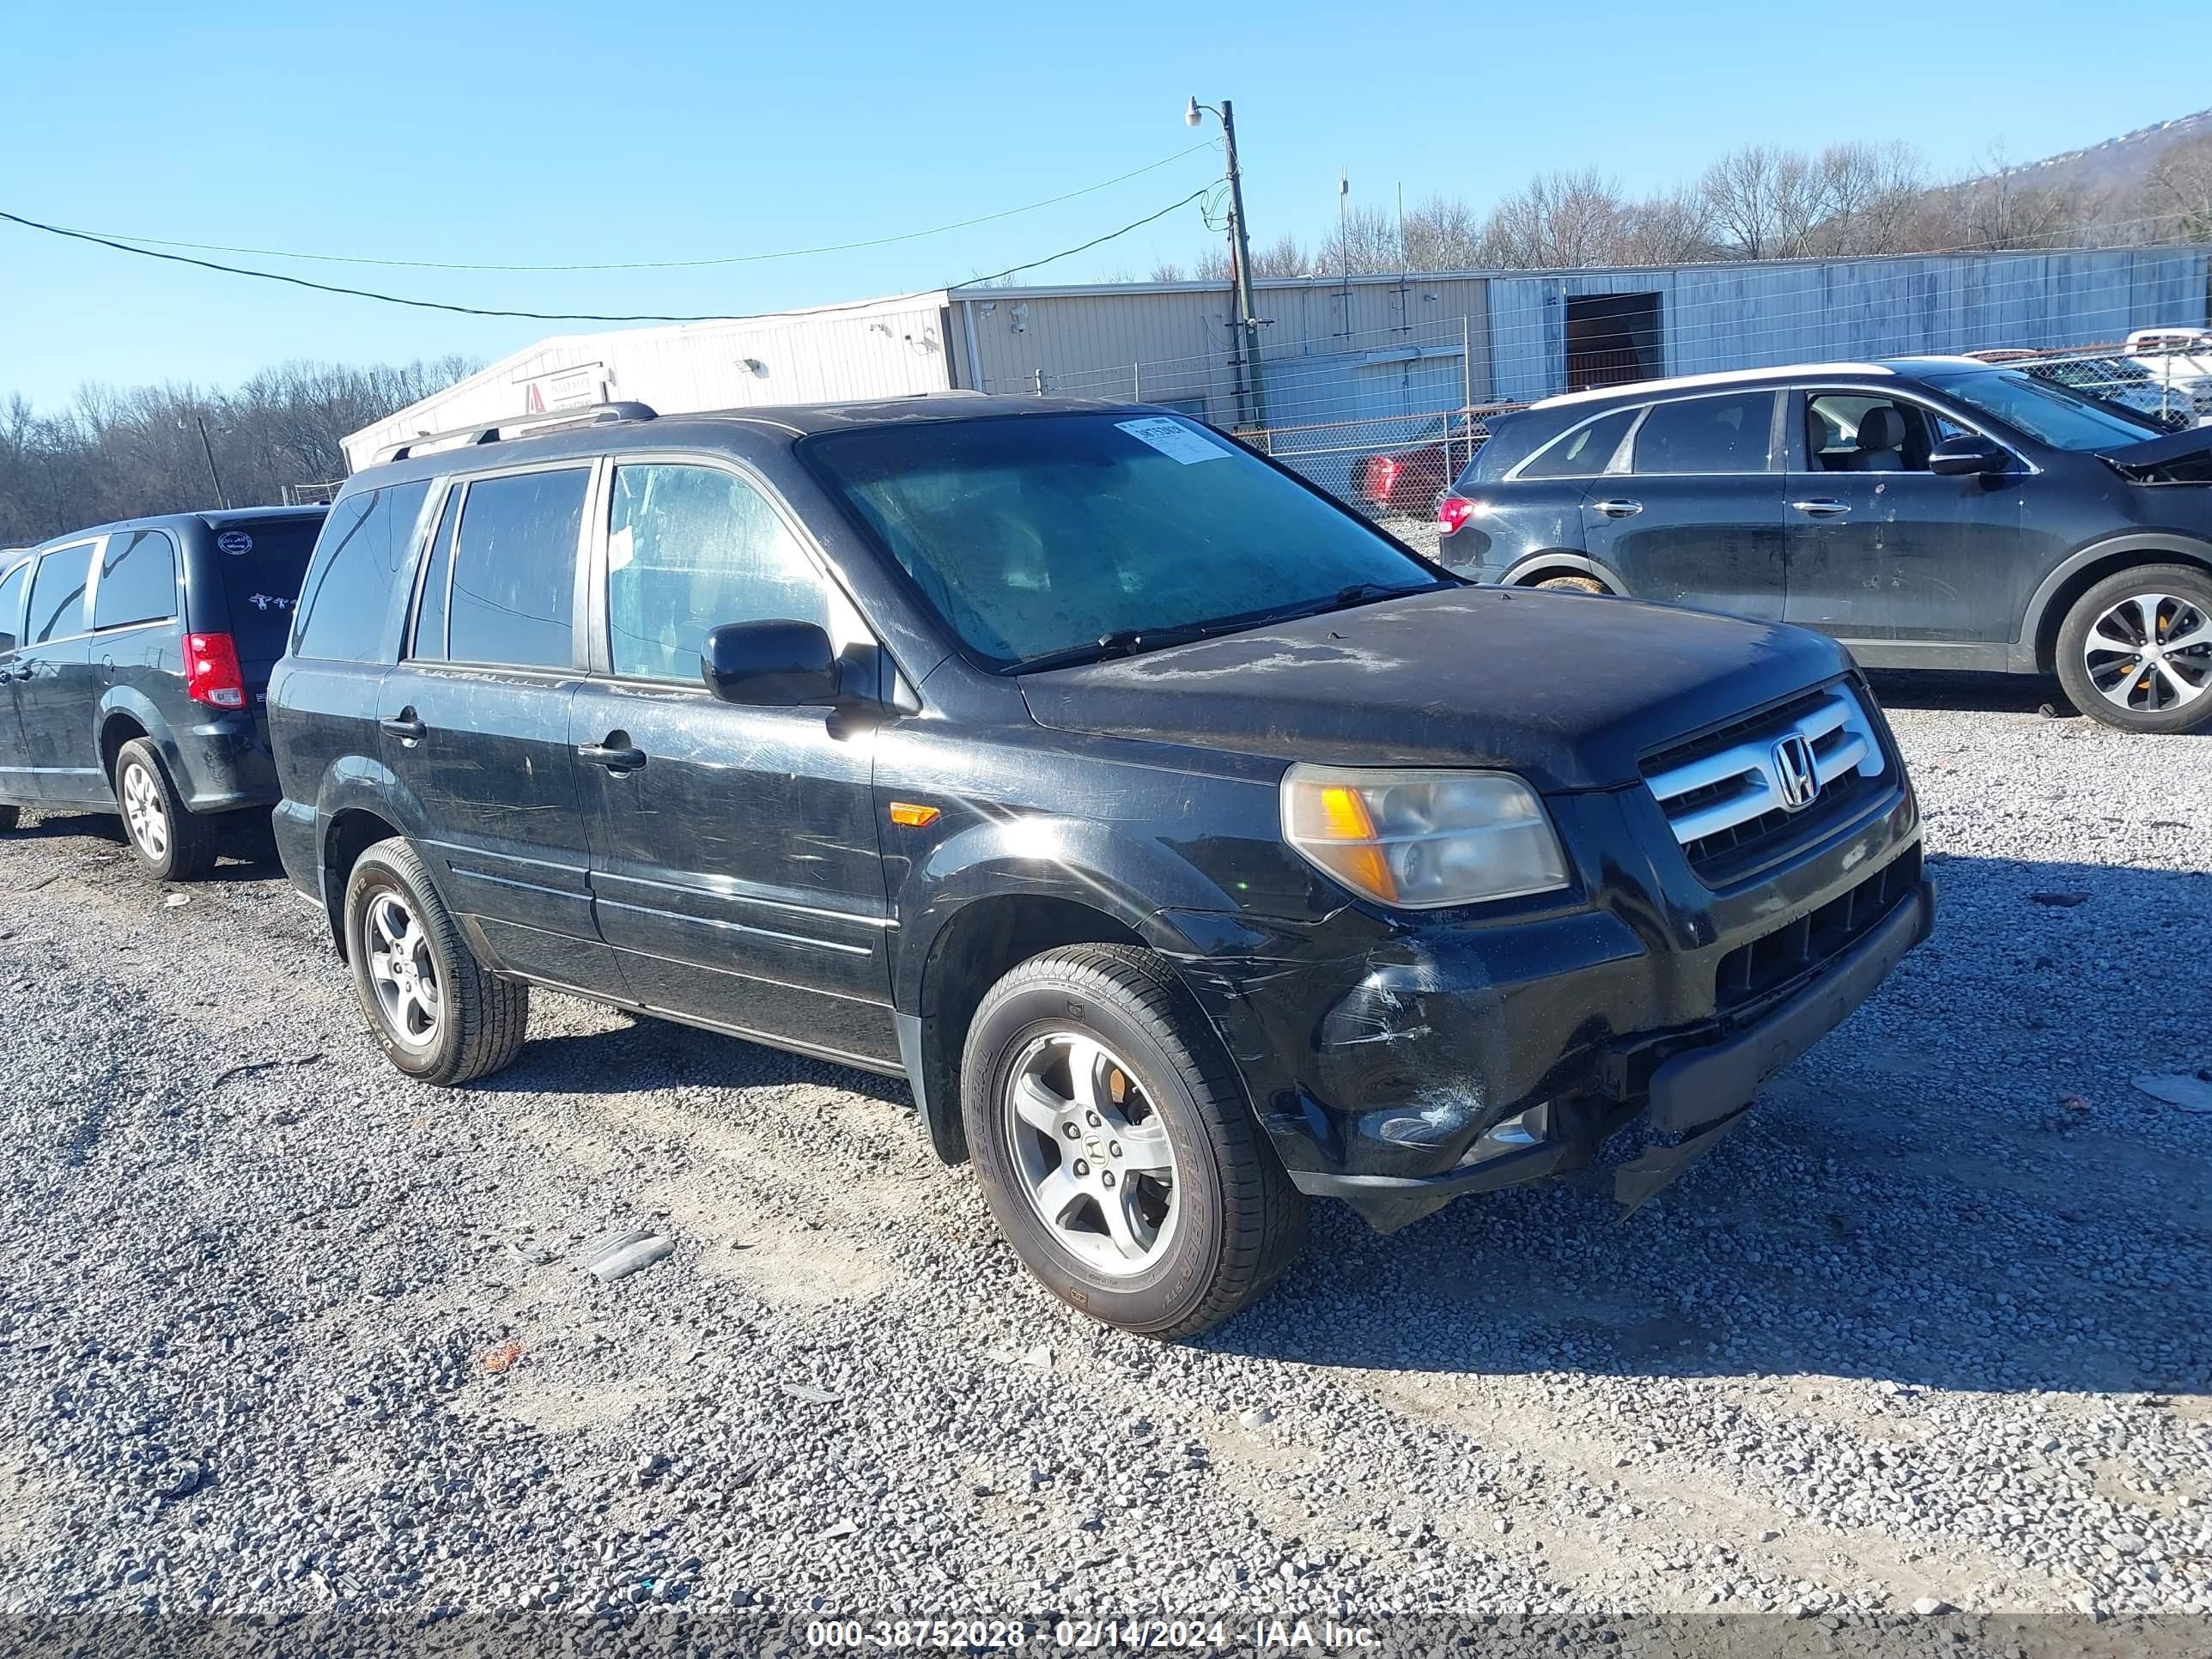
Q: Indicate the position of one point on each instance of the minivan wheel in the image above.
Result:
(172, 843)
(1114, 1147)
(440, 1015)
(2135, 650)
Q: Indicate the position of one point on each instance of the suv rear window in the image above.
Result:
(261, 565)
(1583, 453)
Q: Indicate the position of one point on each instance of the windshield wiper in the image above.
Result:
(1125, 642)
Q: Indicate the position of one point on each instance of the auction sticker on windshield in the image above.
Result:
(1173, 439)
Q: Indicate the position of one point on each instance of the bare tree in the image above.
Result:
(1741, 192)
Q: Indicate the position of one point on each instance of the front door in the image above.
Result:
(16, 783)
(475, 722)
(738, 873)
(1694, 515)
(1882, 549)
(55, 694)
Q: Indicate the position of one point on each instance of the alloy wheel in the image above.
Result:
(2150, 652)
(144, 811)
(401, 970)
(1092, 1153)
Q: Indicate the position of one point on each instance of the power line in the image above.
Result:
(548, 316)
(646, 264)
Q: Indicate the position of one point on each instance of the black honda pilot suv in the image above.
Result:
(1188, 846)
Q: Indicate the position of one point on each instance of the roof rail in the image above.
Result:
(521, 426)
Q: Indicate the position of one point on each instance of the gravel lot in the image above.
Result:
(1932, 1328)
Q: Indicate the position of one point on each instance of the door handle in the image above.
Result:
(1619, 509)
(404, 725)
(1821, 509)
(615, 758)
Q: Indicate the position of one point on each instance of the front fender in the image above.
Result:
(1129, 878)
(2141, 546)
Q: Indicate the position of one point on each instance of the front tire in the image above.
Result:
(440, 1015)
(1115, 1149)
(2135, 651)
(172, 843)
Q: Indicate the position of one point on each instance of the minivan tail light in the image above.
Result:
(211, 671)
(1454, 511)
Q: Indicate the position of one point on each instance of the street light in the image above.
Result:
(1240, 253)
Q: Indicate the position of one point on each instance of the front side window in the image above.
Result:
(1583, 453)
(1067, 536)
(1731, 434)
(363, 550)
(137, 579)
(2049, 414)
(688, 548)
(515, 569)
(57, 594)
(11, 608)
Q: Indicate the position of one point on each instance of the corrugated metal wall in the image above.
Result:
(1174, 344)
(885, 349)
(1716, 318)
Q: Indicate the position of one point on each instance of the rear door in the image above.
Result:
(1691, 512)
(14, 760)
(1898, 553)
(738, 875)
(260, 565)
(54, 689)
(475, 722)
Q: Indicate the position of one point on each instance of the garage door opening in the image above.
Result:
(1611, 339)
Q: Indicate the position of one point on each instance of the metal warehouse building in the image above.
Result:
(1344, 363)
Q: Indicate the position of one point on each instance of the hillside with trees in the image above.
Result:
(115, 455)
(1764, 202)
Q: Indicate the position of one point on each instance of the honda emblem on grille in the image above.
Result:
(1795, 776)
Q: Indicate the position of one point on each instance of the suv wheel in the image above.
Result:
(172, 843)
(1115, 1149)
(440, 1014)
(2135, 651)
(1574, 585)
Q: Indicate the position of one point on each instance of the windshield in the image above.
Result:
(1037, 535)
(2047, 413)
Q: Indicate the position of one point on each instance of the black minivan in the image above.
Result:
(1188, 845)
(134, 664)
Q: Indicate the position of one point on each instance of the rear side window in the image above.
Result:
(57, 594)
(11, 607)
(1733, 434)
(690, 548)
(515, 569)
(363, 551)
(137, 579)
(1583, 453)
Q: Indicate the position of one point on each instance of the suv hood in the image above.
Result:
(2178, 457)
(1565, 688)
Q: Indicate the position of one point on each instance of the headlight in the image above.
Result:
(1420, 838)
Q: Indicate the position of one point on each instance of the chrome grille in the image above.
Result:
(1731, 791)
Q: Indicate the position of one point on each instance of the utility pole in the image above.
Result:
(208, 449)
(1240, 256)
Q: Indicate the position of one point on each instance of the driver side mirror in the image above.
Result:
(771, 664)
(1965, 455)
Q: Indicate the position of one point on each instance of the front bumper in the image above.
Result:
(1398, 1063)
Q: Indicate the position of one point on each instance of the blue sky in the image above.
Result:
(569, 132)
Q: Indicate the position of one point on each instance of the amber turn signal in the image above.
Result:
(913, 816)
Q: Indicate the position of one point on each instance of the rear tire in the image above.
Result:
(440, 1015)
(1574, 585)
(2116, 650)
(172, 843)
(1206, 1220)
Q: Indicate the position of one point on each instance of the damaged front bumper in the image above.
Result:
(1400, 1071)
